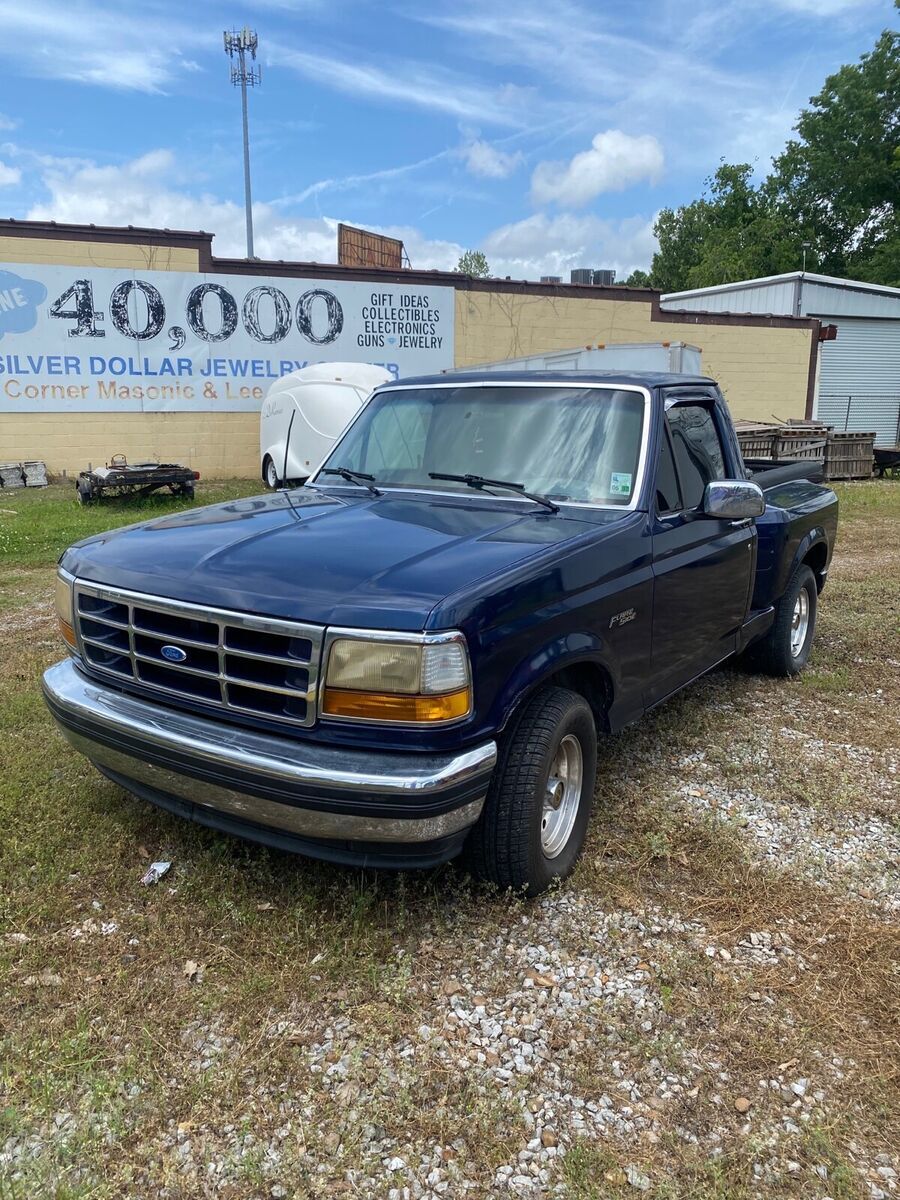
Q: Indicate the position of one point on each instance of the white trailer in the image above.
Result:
(306, 411)
(678, 357)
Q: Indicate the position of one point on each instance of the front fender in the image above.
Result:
(569, 650)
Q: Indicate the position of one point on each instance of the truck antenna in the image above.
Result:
(284, 489)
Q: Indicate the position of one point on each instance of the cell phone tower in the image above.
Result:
(238, 45)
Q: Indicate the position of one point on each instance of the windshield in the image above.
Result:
(568, 443)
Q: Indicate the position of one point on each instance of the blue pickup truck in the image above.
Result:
(415, 654)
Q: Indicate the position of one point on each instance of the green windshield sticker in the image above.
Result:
(620, 483)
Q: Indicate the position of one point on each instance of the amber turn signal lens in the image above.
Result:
(375, 706)
(68, 633)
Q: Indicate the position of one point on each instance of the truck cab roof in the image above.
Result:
(647, 379)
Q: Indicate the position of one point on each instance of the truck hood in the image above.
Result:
(381, 562)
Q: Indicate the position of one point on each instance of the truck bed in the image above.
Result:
(772, 472)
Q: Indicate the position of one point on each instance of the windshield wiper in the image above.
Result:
(359, 477)
(479, 482)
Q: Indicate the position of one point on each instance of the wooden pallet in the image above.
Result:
(850, 456)
(775, 442)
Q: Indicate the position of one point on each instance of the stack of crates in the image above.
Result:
(843, 455)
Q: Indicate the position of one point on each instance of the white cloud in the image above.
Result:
(349, 182)
(481, 158)
(543, 245)
(614, 162)
(125, 49)
(9, 175)
(681, 71)
(417, 84)
(8, 122)
(135, 193)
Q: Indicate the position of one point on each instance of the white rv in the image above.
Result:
(305, 412)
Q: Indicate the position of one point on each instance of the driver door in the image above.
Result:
(703, 567)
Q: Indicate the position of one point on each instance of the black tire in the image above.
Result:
(187, 491)
(506, 847)
(84, 492)
(774, 654)
(270, 474)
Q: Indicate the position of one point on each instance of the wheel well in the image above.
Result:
(591, 681)
(816, 559)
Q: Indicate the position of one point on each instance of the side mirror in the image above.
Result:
(733, 500)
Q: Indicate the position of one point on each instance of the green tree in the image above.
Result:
(840, 178)
(835, 186)
(473, 262)
(638, 278)
(734, 231)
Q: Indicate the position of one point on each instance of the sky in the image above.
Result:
(547, 133)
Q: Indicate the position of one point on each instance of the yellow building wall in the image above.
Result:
(218, 445)
(59, 252)
(762, 371)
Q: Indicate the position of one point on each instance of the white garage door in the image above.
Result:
(859, 379)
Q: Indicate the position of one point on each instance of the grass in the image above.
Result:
(123, 1058)
(37, 524)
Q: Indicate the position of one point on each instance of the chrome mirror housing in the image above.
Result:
(733, 500)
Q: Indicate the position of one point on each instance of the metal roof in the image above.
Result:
(647, 379)
(800, 293)
(857, 285)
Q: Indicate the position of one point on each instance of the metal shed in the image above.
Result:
(859, 372)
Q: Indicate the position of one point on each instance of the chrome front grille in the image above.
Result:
(237, 662)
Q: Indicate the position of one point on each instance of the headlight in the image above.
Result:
(62, 595)
(419, 681)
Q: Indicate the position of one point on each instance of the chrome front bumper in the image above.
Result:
(249, 782)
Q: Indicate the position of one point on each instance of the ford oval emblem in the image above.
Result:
(173, 654)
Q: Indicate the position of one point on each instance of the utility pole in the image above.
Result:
(240, 44)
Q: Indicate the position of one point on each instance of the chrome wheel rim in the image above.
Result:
(799, 623)
(562, 796)
(271, 477)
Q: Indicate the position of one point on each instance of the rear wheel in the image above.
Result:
(784, 650)
(84, 491)
(270, 475)
(535, 817)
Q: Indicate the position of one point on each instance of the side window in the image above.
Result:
(668, 498)
(699, 456)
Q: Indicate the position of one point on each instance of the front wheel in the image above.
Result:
(270, 474)
(536, 814)
(785, 648)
